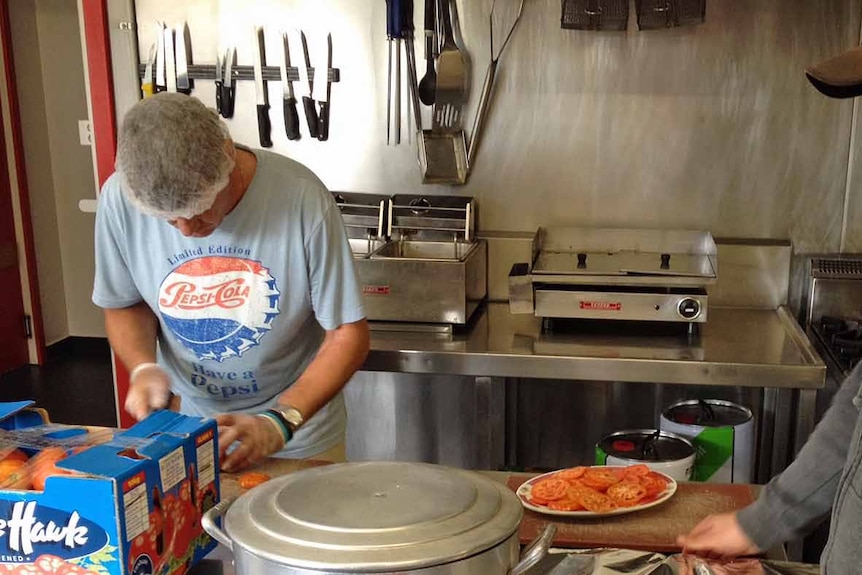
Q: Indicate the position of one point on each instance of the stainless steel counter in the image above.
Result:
(736, 347)
(761, 352)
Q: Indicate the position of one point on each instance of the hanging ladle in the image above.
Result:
(485, 99)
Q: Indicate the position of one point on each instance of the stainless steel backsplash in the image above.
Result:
(710, 127)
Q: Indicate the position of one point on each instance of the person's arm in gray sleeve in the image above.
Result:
(795, 501)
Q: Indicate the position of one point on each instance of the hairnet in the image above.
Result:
(173, 156)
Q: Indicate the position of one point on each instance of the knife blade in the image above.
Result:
(184, 83)
(291, 116)
(161, 84)
(263, 126)
(229, 83)
(147, 85)
(323, 93)
(219, 81)
(308, 101)
(170, 60)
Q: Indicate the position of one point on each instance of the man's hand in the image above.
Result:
(253, 437)
(149, 390)
(718, 536)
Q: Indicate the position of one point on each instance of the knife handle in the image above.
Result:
(263, 126)
(311, 116)
(323, 122)
(291, 119)
(219, 101)
(227, 101)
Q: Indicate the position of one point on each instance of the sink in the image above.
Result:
(425, 250)
(361, 247)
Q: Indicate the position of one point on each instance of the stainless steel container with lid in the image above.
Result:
(723, 435)
(375, 517)
(668, 453)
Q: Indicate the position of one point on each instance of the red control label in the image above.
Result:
(375, 290)
(601, 305)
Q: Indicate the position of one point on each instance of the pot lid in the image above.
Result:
(647, 445)
(373, 516)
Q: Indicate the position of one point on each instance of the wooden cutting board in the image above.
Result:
(272, 467)
(653, 529)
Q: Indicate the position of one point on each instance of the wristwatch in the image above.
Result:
(292, 415)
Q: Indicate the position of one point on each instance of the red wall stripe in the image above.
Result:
(96, 26)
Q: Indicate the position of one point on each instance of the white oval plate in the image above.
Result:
(525, 490)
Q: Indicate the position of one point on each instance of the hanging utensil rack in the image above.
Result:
(270, 73)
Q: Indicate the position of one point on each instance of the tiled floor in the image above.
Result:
(75, 386)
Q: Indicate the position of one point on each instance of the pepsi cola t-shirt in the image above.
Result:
(242, 312)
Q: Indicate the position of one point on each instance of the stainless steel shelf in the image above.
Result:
(736, 347)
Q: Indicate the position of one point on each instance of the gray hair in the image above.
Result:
(174, 155)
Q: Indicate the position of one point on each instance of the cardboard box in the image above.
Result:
(132, 506)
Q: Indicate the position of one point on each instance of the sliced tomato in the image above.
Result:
(627, 493)
(594, 501)
(638, 470)
(566, 505)
(600, 478)
(572, 473)
(654, 483)
(252, 479)
(550, 489)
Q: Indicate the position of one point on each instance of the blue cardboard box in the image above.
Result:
(131, 505)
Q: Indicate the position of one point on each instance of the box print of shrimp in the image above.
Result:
(105, 502)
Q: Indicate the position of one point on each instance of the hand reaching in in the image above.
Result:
(246, 439)
(149, 390)
(718, 536)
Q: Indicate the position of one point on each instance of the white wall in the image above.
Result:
(50, 82)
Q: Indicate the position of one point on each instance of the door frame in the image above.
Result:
(28, 268)
(95, 32)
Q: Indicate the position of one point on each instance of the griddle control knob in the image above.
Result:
(689, 308)
(582, 261)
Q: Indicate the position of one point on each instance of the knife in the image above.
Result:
(263, 125)
(291, 116)
(308, 101)
(184, 83)
(219, 82)
(324, 92)
(147, 85)
(170, 60)
(228, 88)
(161, 85)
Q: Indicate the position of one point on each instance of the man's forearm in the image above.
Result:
(132, 333)
(342, 353)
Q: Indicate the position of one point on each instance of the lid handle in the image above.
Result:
(706, 412)
(208, 522)
(536, 551)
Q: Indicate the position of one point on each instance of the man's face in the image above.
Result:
(205, 223)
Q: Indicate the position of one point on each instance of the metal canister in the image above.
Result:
(723, 436)
(661, 451)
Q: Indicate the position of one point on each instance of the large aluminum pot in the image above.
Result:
(376, 517)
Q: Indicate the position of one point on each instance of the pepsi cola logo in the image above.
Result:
(219, 307)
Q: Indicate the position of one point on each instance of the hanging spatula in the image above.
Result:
(451, 91)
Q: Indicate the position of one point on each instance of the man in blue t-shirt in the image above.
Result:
(228, 285)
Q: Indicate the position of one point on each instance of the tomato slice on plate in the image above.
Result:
(550, 489)
(627, 493)
(600, 478)
(654, 483)
(572, 473)
(594, 501)
(638, 470)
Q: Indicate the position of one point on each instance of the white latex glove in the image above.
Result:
(245, 440)
(149, 390)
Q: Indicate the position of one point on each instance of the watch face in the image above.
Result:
(293, 416)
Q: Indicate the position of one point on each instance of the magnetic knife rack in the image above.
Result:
(270, 73)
